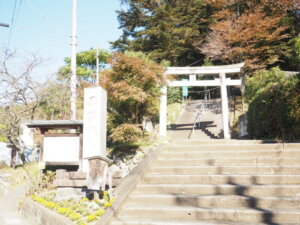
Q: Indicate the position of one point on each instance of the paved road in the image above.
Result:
(9, 214)
(210, 121)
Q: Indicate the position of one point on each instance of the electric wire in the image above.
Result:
(12, 23)
(195, 62)
(204, 90)
(84, 59)
(18, 11)
(44, 17)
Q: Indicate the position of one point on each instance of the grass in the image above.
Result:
(21, 174)
(174, 110)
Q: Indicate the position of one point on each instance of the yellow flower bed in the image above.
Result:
(82, 211)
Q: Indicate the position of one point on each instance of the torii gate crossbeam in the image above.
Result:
(223, 82)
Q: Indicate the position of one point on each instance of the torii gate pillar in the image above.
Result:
(163, 112)
(225, 112)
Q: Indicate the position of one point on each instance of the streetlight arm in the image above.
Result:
(4, 25)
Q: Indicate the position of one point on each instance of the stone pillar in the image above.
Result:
(225, 111)
(243, 88)
(94, 124)
(163, 112)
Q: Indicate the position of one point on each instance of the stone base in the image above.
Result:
(64, 193)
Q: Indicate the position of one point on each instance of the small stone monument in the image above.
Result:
(243, 123)
(147, 125)
(98, 175)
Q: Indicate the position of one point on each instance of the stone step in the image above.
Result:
(222, 189)
(231, 147)
(218, 182)
(222, 179)
(178, 213)
(230, 161)
(225, 201)
(227, 154)
(138, 221)
(250, 170)
(226, 142)
(219, 142)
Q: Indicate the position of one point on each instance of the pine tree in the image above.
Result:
(164, 29)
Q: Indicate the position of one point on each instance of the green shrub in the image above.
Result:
(274, 105)
(174, 94)
(126, 134)
(294, 59)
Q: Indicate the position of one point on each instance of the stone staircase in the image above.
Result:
(211, 121)
(218, 182)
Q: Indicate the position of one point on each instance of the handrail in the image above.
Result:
(200, 111)
(196, 119)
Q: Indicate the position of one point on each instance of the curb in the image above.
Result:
(127, 186)
(40, 215)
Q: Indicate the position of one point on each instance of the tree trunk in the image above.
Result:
(137, 111)
(22, 156)
(13, 157)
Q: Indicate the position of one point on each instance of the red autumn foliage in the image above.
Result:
(133, 86)
(250, 31)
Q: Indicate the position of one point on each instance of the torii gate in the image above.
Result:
(223, 82)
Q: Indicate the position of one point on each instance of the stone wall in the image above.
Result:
(122, 165)
(40, 215)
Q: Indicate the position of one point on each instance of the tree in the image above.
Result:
(86, 72)
(186, 32)
(54, 100)
(164, 29)
(86, 65)
(19, 99)
(256, 32)
(274, 105)
(294, 57)
(133, 84)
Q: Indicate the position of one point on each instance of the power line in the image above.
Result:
(195, 62)
(12, 23)
(39, 12)
(205, 91)
(19, 9)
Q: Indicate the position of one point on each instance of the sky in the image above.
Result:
(44, 27)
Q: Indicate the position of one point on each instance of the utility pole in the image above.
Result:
(73, 60)
(97, 67)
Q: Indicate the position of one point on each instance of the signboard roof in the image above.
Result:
(54, 123)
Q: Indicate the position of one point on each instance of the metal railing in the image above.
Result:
(200, 112)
